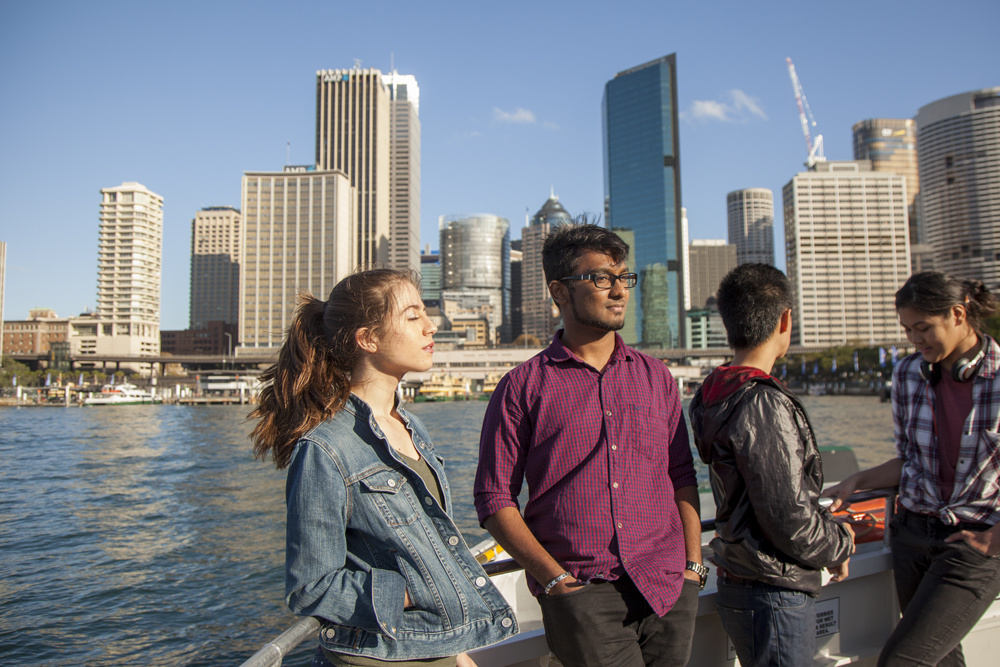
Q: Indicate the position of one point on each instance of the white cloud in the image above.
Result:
(738, 108)
(549, 125)
(519, 115)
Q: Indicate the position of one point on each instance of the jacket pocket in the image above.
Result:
(390, 493)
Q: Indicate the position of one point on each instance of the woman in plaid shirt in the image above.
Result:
(946, 413)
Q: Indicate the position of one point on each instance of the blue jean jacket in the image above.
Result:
(363, 530)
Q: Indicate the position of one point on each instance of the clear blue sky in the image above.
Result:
(186, 96)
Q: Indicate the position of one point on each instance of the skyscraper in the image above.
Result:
(710, 261)
(475, 261)
(537, 315)
(353, 136)
(642, 190)
(891, 145)
(958, 140)
(847, 245)
(751, 225)
(296, 236)
(404, 170)
(215, 267)
(129, 257)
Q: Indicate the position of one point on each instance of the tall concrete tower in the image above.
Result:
(353, 136)
(958, 140)
(129, 257)
(297, 235)
(848, 252)
(215, 266)
(404, 170)
(751, 225)
(536, 304)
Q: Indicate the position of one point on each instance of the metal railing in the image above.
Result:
(272, 653)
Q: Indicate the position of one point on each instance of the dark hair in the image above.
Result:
(311, 380)
(751, 299)
(568, 241)
(936, 293)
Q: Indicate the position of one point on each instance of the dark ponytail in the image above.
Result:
(936, 293)
(311, 380)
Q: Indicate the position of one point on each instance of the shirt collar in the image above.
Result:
(557, 352)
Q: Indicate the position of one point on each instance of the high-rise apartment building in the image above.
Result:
(475, 259)
(642, 190)
(891, 145)
(751, 225)
(516, 292)
(297, 234)
(539, 317)
(958, 140)
(129, 258)
(404, 170)
(430, 278)
(3, 282)
(847, 252)
(710, 260)
(215, 266)
(353, 136)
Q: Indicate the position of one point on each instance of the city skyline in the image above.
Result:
(486, 117)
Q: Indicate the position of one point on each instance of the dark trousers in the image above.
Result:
(610, 624)
(770, 626)
(943, 590)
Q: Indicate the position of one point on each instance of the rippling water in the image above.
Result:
(149, 535)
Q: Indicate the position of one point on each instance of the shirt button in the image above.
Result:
(624, 561)
(391, 482)
(480, 581)
(614, 448)
(506, 622)
(619, 524)
(608, 413)
(614, 485)
(428, 500)
(453, 541)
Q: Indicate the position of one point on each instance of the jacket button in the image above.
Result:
(453, 541)
(391, 482)
(506, 622)
(428, 500)
(480, 581)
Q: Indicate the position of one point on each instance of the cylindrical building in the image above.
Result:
(958, 141)
(751, 225)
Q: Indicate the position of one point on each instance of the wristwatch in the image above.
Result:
(698, 569)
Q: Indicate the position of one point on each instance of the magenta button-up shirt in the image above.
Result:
(602, 454)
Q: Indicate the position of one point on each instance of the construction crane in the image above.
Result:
(815, 146)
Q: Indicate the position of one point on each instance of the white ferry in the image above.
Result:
(122, 394)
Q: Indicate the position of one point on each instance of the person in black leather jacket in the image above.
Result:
(772, 538)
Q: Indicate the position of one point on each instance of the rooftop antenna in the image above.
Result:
(288, 152)
(357, 63)
(552, 192)
(392, 62)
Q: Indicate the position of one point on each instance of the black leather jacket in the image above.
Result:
(766, 477)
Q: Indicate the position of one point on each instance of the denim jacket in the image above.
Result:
(363, 530)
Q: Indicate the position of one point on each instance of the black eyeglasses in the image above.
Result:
(606, 280)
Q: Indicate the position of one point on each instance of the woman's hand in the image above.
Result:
(985, 542)
(465, 661)
(407, 602)
(841, 492)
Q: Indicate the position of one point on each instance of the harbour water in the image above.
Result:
(148, 535)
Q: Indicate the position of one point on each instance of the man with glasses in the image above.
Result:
(611, 533)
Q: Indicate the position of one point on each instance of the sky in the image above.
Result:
(184, 97)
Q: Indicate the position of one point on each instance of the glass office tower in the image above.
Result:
(642, 191)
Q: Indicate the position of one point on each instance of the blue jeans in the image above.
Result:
(768, 625)
(943, 590)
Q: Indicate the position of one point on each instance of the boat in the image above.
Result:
(854, 617)
(490, 383)
(122, 394)
(444, 387)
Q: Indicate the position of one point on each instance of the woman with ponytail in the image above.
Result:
(946, 413)
(370, 548)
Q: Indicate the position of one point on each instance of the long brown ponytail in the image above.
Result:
(311, 380)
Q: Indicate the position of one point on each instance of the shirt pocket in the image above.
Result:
(388, 491)
(646, 431)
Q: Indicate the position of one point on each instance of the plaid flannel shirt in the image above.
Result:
(976, 495)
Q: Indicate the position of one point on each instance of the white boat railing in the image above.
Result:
(272, 653)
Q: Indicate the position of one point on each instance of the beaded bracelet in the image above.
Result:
(549, 586)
